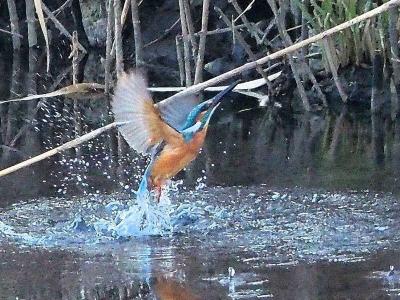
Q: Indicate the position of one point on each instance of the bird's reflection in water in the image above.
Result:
(161, 287)
(170, 289)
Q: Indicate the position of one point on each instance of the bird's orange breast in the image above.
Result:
(176, 157)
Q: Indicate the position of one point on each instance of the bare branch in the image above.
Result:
(243, 17)
(118, 38)
(30, 19)
(164, 35)
(190, 27)
(198, 77)
(179, 57)
(60, 26)
(251, 65)
(333, 68)
(71, 144)
(137, 33)
(109, 57)
(186, 52)
(244, 45)
(14, 21)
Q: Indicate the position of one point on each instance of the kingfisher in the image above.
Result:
(172, 131)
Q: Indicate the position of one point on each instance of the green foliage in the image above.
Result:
(354, 45)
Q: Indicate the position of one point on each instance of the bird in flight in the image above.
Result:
(172, 131)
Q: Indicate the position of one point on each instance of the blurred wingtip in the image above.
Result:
(132, 107)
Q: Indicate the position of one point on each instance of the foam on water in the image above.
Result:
(10, 232)
(144, 217)
(270, 227)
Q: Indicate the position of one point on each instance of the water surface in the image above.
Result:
(301, 206)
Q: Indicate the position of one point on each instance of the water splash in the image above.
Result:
(145, 217)
(270, 226)
(10, 232)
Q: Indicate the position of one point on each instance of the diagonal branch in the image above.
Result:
(60, 26)
(252, 65)
(71, 144)
(246, 46)
(201, 86)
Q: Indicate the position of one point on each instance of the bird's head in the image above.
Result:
(200, 116)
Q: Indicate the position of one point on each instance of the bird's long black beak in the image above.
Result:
(218, 98)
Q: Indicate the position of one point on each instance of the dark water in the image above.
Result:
(301, 206)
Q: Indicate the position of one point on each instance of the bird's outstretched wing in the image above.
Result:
(175, 110)
(145, 127)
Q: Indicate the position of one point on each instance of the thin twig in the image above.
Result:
(57, 11)
(164, 35)
(198, 77)
(12, 33)
(186, 52)
(118, 38)
(179, 57)
(75, 56)
(30, 18)
(219, 30)
(60, 26)
(244, 45)
(306, 68)
(251, 65)
(267, 31)
(280, 21)
(14, 21)
(137, 33)
(332, 66)
(250, 6)
(125, 10)
(39, 12)
(75, 65)
(245, 21)
(304, 30)
(119, 61)
(83, 89)
(244, 86)
(190, 27)
(71, 144)
(109, 57)
(62, 7)
(124, 15)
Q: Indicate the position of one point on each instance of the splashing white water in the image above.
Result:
(145, 217)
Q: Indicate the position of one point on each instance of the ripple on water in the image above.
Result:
(283, 225)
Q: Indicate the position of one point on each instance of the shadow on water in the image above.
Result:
(278, 248)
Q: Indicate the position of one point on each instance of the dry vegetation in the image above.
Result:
(343, 32)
